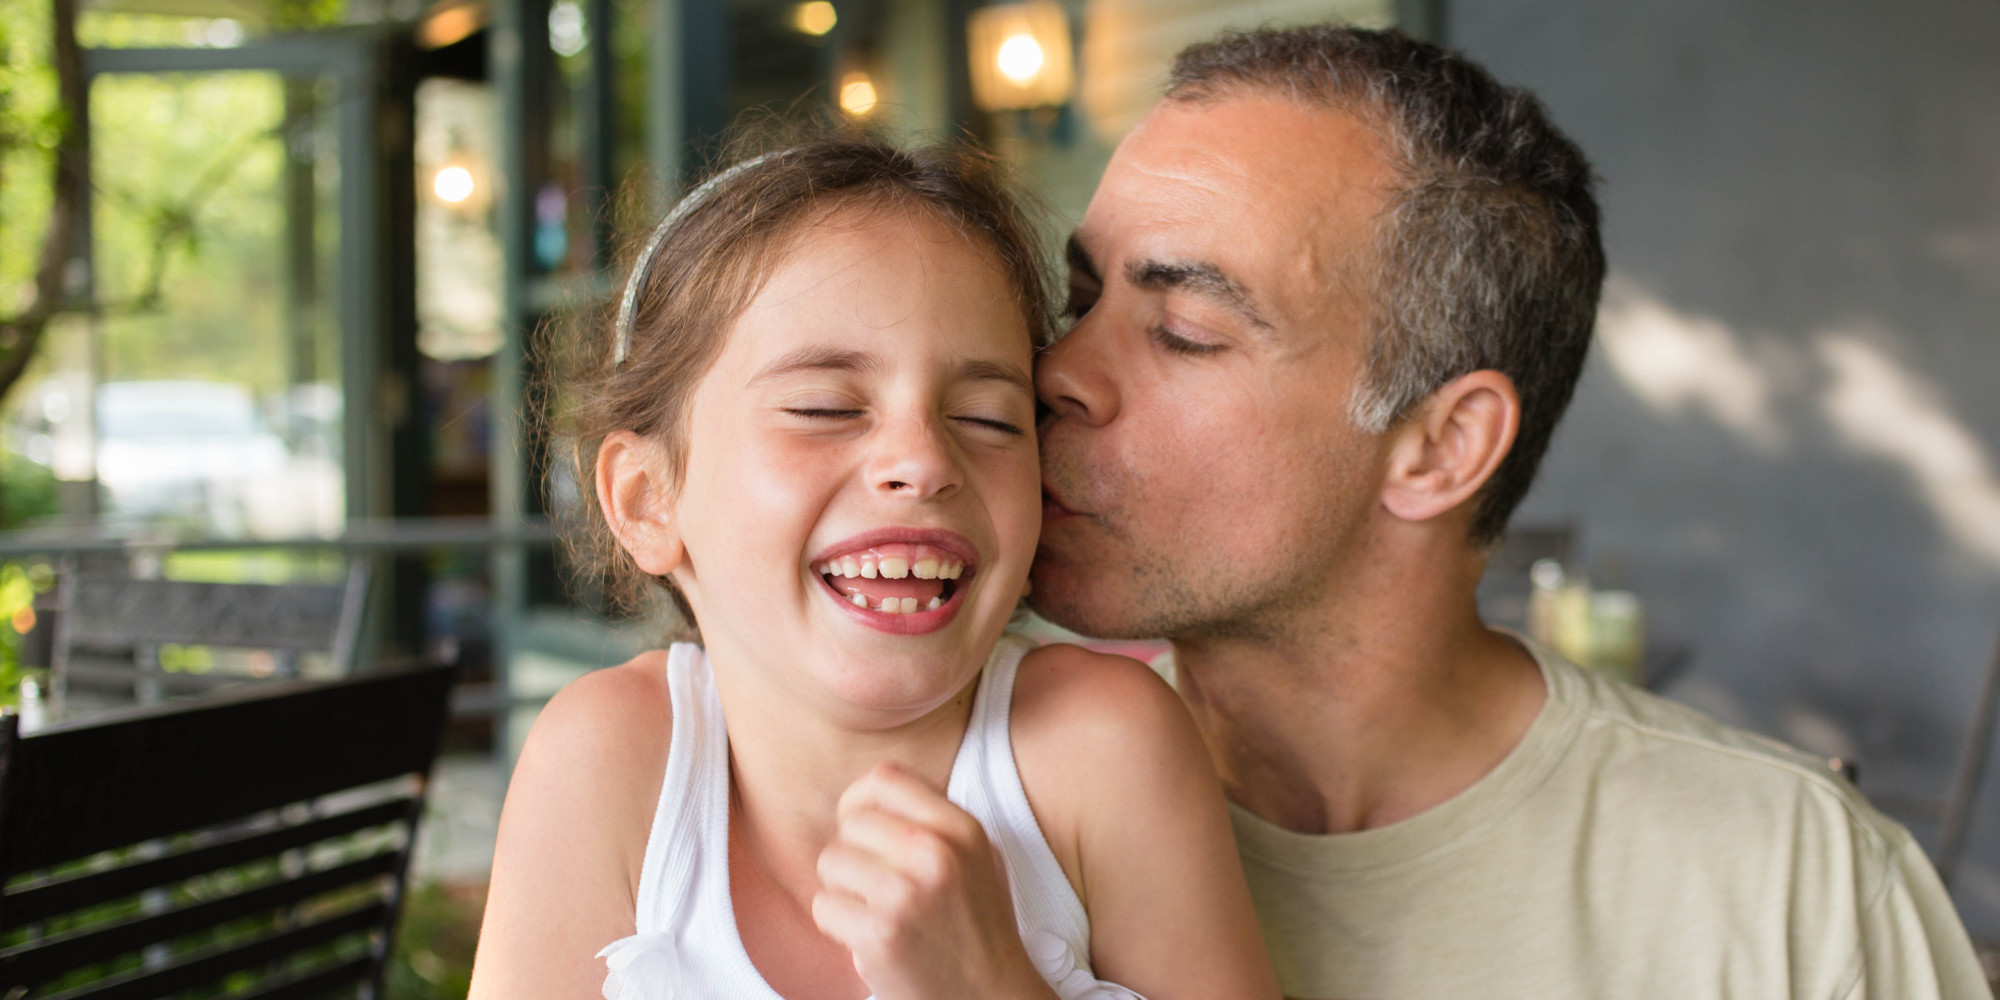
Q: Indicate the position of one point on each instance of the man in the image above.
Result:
(1331, 299)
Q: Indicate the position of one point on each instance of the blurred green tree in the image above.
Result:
(167, 189)
(39, 138)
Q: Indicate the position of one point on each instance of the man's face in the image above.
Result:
(1202, 476)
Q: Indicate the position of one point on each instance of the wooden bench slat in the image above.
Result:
(44, 960)
(37, 901)
(209, 965)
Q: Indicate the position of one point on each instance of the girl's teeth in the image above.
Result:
(860, 600)
(869, 566)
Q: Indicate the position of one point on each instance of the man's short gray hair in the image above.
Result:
(1489, 256)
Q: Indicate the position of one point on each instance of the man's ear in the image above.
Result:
(634, 487)
(1443, 456)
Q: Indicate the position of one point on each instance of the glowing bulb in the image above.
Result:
(857, 94)
(815, 18)
(453, 184)
(1020, 57)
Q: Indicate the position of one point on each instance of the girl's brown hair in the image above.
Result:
(704, 273)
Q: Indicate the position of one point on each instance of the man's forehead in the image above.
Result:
(1277, 189)
(1252, 148)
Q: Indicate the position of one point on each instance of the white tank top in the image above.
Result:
(687, 946)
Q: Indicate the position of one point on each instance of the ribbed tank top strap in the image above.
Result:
(986, 783)
(690, 836)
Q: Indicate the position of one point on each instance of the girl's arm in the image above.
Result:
(573, 836)
(1125, 792)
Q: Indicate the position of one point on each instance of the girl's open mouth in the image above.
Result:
(903, 586)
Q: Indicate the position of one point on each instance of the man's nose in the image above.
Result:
(1075, 377)
(915, 460)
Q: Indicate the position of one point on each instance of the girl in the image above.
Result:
(812, 424)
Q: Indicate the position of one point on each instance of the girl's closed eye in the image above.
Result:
(1000, 424)
(820, 406)
(824, 412)
(993, 412)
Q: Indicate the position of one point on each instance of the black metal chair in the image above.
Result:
(109, 629)
(254, 844)
(1955, 812)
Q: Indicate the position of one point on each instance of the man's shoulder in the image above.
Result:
(1708, 781)
(1665, 726)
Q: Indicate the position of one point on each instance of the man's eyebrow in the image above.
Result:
(1200, 277)
(819, 358)
(1079, 258)
(994, 371)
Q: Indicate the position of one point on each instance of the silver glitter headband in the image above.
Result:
(630, 303)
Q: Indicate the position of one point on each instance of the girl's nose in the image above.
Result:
(915, 460)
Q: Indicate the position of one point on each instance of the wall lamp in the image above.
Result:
(1021, 56)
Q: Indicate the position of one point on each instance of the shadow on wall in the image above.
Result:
(1679, 363)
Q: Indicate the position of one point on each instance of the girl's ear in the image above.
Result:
(633, 489)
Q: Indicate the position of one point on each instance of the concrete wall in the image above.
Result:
(1786, 437)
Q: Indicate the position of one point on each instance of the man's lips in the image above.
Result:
(1053, 507)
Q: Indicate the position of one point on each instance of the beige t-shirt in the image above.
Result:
(1628, 848)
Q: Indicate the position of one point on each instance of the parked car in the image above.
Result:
(187, 449)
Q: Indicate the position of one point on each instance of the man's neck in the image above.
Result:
(1384, 700)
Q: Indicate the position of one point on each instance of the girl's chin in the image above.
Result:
(903, 691)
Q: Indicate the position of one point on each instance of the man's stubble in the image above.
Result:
(1149, 572)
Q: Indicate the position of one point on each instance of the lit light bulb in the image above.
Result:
(453, 184)
(857, 94)
(1020, 57)
(815, 18)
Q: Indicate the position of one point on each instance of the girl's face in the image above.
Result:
(862, 494)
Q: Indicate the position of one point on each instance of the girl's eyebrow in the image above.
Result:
(994, 371)
(819, 358)
(823, 358)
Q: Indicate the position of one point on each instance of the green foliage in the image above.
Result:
(27, 491)
(30, 120)
(434, 943)
(189, 224)
(18, 586)
(302, 15)
(99, 28)
(186, 177)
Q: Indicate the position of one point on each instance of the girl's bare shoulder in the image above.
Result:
(573, 833)
(1082, 700)
(598, 750)
(627, 700)
(1093, 734)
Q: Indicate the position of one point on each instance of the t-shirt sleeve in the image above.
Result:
(1913, 946)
